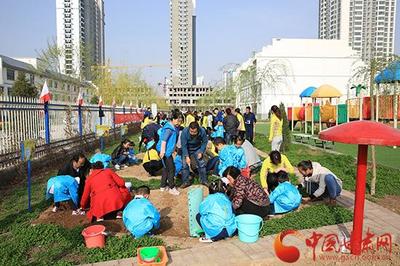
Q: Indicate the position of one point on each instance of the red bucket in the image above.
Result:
(94, 236)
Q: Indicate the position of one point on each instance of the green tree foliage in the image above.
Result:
(94, 100)
(286, 134)
(23, 88)
(125, 87)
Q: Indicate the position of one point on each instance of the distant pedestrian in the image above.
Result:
(231, 124)
(250, 123)
(241, 127)
(275, 131)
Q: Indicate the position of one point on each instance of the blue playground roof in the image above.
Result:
(307, 92)
(389, 74)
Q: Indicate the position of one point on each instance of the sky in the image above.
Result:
(137, 31)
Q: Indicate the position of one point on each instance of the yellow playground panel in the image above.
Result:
(328, 113)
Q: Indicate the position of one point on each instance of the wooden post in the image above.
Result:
(337, 111)
(292, 117)
(319, 118)
(377, 104)
(395, 105)
(348, 110)
(305, 119)
(360, 106)
(312, 117)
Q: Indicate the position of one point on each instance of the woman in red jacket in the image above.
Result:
(105, 191)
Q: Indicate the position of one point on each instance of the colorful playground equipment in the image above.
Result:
(319, 109)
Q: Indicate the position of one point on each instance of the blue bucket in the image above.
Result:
(249, 227)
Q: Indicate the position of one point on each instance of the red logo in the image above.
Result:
(288, 254)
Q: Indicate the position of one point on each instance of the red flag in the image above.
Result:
(79, 101)
(100, 101)
(45, 95)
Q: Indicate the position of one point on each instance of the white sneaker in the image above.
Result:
(54, 209)
(205, 240)
(117, 167)
(174, 191)
(125, 166)
(99, 219)
(162, 189)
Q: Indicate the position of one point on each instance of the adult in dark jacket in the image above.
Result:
(250, 123)
(231, 124)
(78, 166)
(194, 143)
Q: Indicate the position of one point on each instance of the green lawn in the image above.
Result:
(387, 156)
(344, 166)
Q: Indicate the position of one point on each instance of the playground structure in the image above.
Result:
(322, 110)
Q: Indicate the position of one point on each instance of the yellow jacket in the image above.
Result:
(241, 120)
(151, 155)
(189, 119)
(205, 121)
(269, 167)
(145, 122)
(275, 129)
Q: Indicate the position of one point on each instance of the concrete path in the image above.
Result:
(233, 252)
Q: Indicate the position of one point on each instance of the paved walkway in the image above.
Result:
(233, 252)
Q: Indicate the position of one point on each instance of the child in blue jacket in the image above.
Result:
(215, 215)
(285, 197)
(64, 188)
(102, 157)
(218, 130)
(229, 155)
(140, 216)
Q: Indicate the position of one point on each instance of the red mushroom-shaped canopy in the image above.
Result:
(363, 132)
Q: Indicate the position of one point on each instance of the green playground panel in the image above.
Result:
(316, 111)
(342, 110)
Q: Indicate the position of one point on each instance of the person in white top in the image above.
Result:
(319, 182)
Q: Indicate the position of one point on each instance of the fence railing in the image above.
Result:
(24, 118)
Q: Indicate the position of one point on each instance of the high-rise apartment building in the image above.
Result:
(80, 35)
(183, 42)
(368, 25)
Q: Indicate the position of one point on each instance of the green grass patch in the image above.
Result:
(46, 244)
(310, 217)
(344, 166)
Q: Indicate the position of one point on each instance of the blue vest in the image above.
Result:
(216, 214)
(171, 142)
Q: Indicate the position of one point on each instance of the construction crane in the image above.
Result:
(139, 66)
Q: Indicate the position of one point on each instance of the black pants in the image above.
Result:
(222, 235)
(152, 167)
(168, 172)
(249, 133)
(249, 207)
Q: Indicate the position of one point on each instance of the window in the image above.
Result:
(10, 74)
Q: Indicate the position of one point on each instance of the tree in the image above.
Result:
(94, 100)
(23, 88)
(49, 58)
(286, 134)
(251, 80)
(367, 73)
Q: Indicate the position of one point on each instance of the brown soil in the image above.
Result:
(390, 202)
(137, 171)
(173, 210)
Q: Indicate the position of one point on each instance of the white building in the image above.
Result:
(80, 34)
(186, 97)
(367, 25)
(295, 64)
(62, 87)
